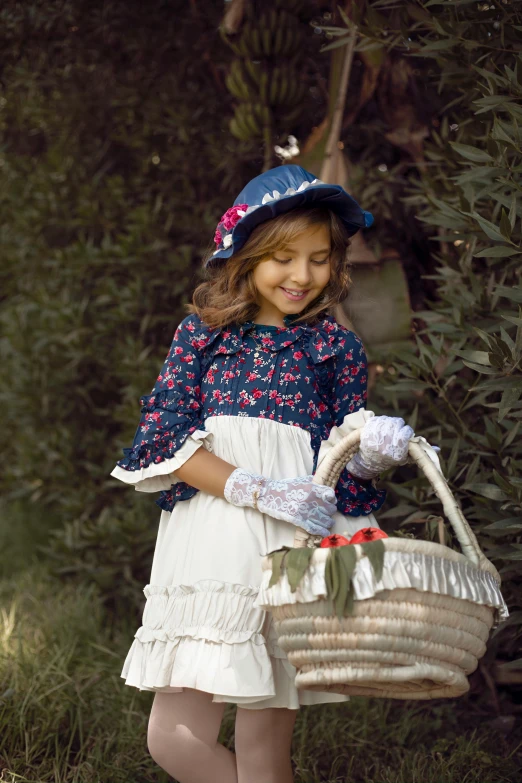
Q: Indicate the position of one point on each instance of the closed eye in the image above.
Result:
(287, 260)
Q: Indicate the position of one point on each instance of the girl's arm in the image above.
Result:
(209, 473)
(205, 471)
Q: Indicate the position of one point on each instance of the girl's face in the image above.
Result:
(304, 265)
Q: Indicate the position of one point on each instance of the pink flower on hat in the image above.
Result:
(217, 237)
(232, 216)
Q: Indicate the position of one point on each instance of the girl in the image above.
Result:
(256, 376)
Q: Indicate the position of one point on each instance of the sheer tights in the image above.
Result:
(183, 736)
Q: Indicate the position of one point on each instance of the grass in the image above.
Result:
(66, 716)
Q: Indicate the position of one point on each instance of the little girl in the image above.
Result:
(257, 375)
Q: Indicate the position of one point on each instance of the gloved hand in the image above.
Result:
(295, 500)
(384, 444)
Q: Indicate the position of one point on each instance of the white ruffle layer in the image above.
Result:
(158, 476)
(425, 573)
(210, 636)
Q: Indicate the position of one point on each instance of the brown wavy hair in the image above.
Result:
(228, 294)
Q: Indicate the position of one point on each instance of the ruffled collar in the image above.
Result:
(322, 343)
(275, 337)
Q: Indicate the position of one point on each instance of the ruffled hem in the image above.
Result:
(155, 477)
(209, 636)
(168, 418)
(425, 573)
(227, 669)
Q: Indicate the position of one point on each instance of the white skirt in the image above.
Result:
(201, 626)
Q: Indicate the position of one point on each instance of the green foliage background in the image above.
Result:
(113, 171)
(115, 162)
(460, 383)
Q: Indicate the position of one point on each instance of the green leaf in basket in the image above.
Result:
(344, 586)
(347, 562)
(375, 553)
(328, 577)
(277, 561)
(332, 573)
(296, 563)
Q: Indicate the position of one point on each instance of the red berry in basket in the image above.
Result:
(367, 534)
(334, 540)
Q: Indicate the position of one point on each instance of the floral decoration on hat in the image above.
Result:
(232, 216)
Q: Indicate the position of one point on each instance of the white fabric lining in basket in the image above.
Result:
(426, 573)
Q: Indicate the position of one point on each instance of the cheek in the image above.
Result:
(269, 278)
(266, 273)
(322, 276)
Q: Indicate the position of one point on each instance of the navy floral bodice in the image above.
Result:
(302, 376)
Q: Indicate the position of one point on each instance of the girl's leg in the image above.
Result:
(263, 745)
(182, 738)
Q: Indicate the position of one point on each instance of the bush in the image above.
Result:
(113, 169)
(460, 382)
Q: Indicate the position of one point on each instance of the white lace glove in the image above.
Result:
(295, 500)
(384, 444)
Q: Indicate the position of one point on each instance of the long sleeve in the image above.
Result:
(170, 429)
(354, 496)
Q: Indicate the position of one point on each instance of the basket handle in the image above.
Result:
(339, 455)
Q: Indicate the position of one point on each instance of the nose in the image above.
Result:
(300, 274)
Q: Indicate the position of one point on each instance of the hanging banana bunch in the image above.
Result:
(265, 77)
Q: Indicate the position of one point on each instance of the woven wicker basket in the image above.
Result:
(417, 633)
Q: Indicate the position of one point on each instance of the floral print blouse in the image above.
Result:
(303, 376)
